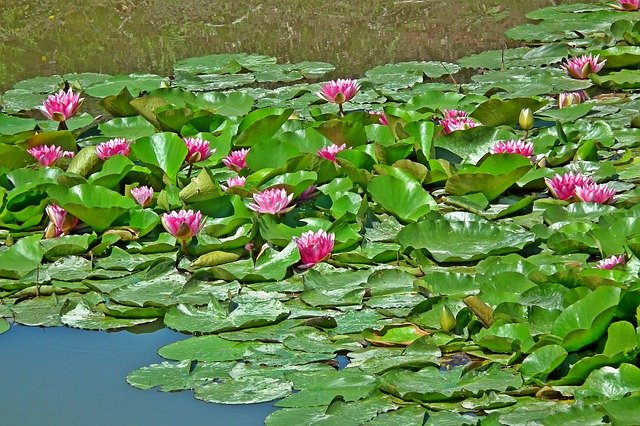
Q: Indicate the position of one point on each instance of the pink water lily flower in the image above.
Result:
(271, 201)
(382, 117)
(339, 91)
(143, 195)
(513, 147)
(62, 105)
(48, 155)
(612, 262)
(183, 225)
(581, 66)
(627, 5)
(62, 221)
(594, 193)
(198, 150)
(566, 99)
(314, 247)
(236, 160)
(453, 113)
(563, 187)
(117, 146)
(330, 152)
(456, 119)
(236, 181)
(450, 125)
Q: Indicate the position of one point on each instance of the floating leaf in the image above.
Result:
(586, 320)
(456, 241)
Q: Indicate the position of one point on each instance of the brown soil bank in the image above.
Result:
(41, 37)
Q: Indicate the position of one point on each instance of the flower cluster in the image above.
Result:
(314, 247)
(117, 146)
(48, 155)
(583, 188)
(581, 66)
(271, 201)
(454, 119)
(61, 106)
(513, 147)
(330, 152)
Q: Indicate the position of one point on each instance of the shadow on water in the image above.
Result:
(43, 37)
(62, 376)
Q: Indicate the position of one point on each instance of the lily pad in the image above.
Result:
(460, 241)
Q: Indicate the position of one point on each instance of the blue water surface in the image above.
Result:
(62, 376)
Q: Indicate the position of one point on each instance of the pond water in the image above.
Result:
(72, 377)
(63, 376)
(43, 37)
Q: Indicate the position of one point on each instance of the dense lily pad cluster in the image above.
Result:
(433, 263)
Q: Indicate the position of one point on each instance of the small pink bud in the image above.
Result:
(143, 195)
(61, 220)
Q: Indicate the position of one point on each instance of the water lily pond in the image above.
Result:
(437, 242)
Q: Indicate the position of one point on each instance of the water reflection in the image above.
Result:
(42, 37)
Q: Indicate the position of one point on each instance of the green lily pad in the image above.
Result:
(587, 319)
(4, 325)
(214, 318)
(168, 376)
(96, 206)
(164, 150)
(610, 383)
(459, 241)
(542, 361)
(85, 316)
(244, 390)
(408, 200)
(496, 174)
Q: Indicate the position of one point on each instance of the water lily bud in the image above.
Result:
(526, 119)
(447, 320)
(124, 234)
